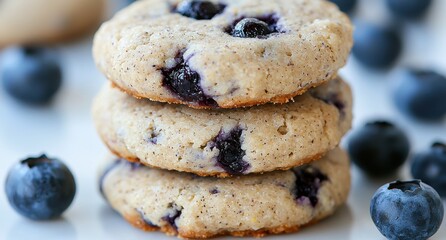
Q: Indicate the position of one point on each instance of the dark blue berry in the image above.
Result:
(200, 10)
(375, 46)
(421, 94)
(308, 182)
(251, 28)
(185, 83)
(345, 5)
(231, 154)
(407, 210)
(40, 188)
(173, 215)
(430, 167)
(31, 75)
(409, 9)
(379, 148)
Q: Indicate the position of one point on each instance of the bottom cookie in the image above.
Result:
(189, 206)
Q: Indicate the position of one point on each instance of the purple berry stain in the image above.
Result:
(231, 153)
(173, 215)
(107, 170)
(145, 220)
(214, 191)
(308, 182)
(185, 83)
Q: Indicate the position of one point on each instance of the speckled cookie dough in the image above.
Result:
(47, 21)
(224, 142)
(199, 207)
(152, 51)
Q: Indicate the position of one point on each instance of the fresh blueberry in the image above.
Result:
(251, 28)
(409, 9)
(430, 167)
(185, 83)
(345, 5)
(407, 210)
(421, 94)
(308, 182)
(40, 188)
(31, 75)
(231, 154)
(379, 148)
(200, 10)
(375, 46)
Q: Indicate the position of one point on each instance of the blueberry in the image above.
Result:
(409, 9)
(421, 94)
(200, 10)
(308, 182)
(251, 28)
(174, 212)
(376, 46)
(231, 154)
(407, 210)
(430, 167)
(379, 148)
(40, 188)
(31, 75)
(185, 83)
(345, 5)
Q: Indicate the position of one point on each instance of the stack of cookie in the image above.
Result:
(207, 95)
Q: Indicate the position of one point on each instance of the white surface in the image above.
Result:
(65, 130)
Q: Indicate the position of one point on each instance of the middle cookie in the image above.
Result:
(224, 142)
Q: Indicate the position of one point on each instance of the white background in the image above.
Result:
(65, 130)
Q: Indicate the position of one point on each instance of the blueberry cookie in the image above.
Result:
(47, 21)
(224, 142)
(200, 207)
(223, 53)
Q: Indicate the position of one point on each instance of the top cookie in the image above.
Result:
(47, 21)
(223, 53)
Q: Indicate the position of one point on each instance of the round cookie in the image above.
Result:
(200, 207)
(151, 51)
(47, 21)
(224, 142)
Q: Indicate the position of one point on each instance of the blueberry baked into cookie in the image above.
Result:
(224, 142)
(223, 53)
(224, 117)
(200, 207)
(41, 22)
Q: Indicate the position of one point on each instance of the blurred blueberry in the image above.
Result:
(408, 9)
(345, 5)
(379, 148)
(376, 46)
(40, 188)
(421, 94)
(430, 167)
(407, 210)
(31, 75)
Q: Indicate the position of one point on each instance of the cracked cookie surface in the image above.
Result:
(199, 207)
(224, 142)
(234, 53)
(24, 22)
